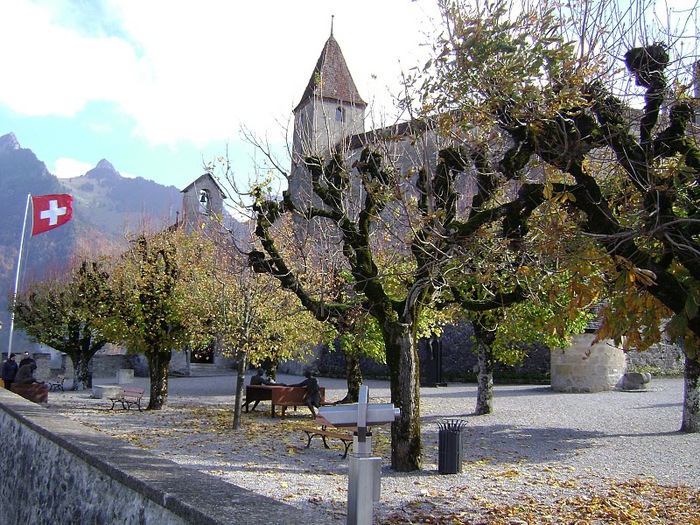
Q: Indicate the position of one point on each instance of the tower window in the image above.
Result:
(339, 114)
(204, 202)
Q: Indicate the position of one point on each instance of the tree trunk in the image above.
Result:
(81, 375)
(240, 383)
(158, 362)
(484, 392)
(402, 360)
(691, 401)
(354, 378)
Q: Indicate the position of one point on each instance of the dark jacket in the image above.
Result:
(313, 394)
(25, 374)
(260, 380)
(26, 361)
(9, 370)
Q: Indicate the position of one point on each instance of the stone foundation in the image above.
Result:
(587, 367)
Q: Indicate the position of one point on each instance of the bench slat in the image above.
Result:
(128, 396)
(324, 433)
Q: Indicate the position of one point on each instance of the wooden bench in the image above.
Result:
(36, 392)
(55, 386)
(282, 396)
(128, 396)
(257, 393)
(325, 433)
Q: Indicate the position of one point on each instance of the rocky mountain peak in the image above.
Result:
(103, 171)
(8, 143)
(104, 164)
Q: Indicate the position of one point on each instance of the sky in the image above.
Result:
(159, 87)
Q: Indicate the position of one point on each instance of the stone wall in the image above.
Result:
(64, 472)
(587, 367)
(659, 359)
(459, 360)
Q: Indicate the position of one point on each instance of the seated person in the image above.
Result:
(26, 385)
(25, 374)
(260, 379)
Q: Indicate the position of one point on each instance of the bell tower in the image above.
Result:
(330, 110)
(202, 203)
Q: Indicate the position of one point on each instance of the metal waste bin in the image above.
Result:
(450, 446)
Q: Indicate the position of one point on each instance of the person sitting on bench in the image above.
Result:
(260, 379)
(313, 394)
(25, 374)
(26, 385)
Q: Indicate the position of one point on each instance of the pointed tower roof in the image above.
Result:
(331, 79)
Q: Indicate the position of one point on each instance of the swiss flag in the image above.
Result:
(51, 211)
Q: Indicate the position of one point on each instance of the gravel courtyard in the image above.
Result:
(537, 447)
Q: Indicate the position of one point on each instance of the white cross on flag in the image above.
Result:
(51, 211)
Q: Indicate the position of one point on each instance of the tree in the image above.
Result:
(505, 91)
(146, 313)
(539, 288)
(426, 201)
(628, 177)
(250, 317)
(63, 314)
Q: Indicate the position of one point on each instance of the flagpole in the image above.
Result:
(19, 262)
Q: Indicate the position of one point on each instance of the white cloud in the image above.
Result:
(65, 168)
(195, 71)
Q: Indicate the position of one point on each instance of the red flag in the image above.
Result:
(51, 211)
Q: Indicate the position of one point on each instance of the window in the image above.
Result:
(204, 202)
(339, 115)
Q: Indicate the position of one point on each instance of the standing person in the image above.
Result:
(9, 371)
(26, 359)
(313, 393)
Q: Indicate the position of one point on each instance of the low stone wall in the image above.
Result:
(64, 472)
(587, 367)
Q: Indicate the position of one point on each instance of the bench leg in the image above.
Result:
(325, 443)
(347, 446)
(309, 436)
(247, 406)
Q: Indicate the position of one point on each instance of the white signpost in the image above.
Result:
(364, 477)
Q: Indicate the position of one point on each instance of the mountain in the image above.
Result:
(116, 205)
(106, 208)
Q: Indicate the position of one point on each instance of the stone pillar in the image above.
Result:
(587, 367)
(124, 376)
(180, 363)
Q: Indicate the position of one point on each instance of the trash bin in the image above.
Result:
(450, 445)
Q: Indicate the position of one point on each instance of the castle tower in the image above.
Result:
(330, 109)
